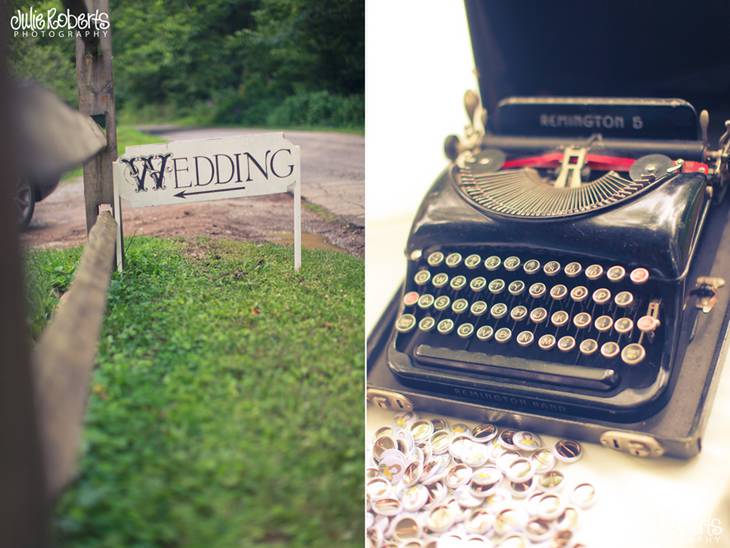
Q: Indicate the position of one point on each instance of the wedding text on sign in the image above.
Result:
(209, 169)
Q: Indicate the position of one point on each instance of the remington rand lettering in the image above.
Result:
(548, 272)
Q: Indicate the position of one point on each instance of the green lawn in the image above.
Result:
(227, 406)
(126, 136)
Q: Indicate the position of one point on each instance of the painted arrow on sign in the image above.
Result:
(185, 193)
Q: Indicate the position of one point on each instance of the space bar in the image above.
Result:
(519, 368)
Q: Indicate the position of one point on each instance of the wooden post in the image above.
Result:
(24, 509)
(96, 98)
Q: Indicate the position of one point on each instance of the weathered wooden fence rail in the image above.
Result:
(65, 355)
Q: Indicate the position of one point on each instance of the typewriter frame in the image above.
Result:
(676, 430)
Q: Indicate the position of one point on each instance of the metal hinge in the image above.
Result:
(706, 291)
(638, 445)
(386, 399)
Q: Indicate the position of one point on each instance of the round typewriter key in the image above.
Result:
(594, 272)
(453, 260)
(583, 495)
(546, 342)
(405, 323)
(601, 296)
(551, 268)
(410, 298)
(544, 461)
(582, 320)
(483, 433)
(465, 498)
(572, 269)
(579, 293)
(623, 325)
(508, 521)
(478, 308)
(465, 330)
(633, 354)
(588, 347)
(616, 273)
(567, 451)
(516, 288)
(497, 501)
(603, 323)
(477, 284)
(525, 338)
(476, 454)
(485, 332)
(421, 430)
(498, 311)
(458, 282)
(639, 276)
(512, 263)
(568, 520)
(425, 301)
(457, 475)
(426, 324)
(527, 441)
(440, 424)
(531, 266)
(435, 258)
(520, 469)
(558, 292)
(422, 277)
(440, 442)
(537, 290)
(377, 487)
(551, 481)
(472, 261)
(445, 326)
(442, 302)
(566, 344)
(559, 318)
(440, 519)
(647, 324)
(460, 428)
(609, 349)
(550, 506)
(492, 263)
(440, 280)
(496, 286)
(459, 306)
(624, 299)
(518, 313)
(538, 315)
(506, 440)
(503, 334)
(406, 528)
(538, 529)
(479, 522)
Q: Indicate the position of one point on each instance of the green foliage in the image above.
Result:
(227, 406)
(49, 274)
(223, 61)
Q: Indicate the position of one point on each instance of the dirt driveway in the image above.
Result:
(333, 179)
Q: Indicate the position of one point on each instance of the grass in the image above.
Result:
(126, 136)
(227, 406)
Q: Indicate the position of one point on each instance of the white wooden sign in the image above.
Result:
(209, 169)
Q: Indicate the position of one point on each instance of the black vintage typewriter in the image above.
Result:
(549, 262)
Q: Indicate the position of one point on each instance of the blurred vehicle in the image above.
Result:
(30, 191)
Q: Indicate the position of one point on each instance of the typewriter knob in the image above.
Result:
(471, 104)
(452, 147)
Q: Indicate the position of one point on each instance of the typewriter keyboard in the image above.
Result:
(532, 317)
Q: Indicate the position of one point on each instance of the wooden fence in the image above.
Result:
(43, 393)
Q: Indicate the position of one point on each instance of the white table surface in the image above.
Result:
(643, 502)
